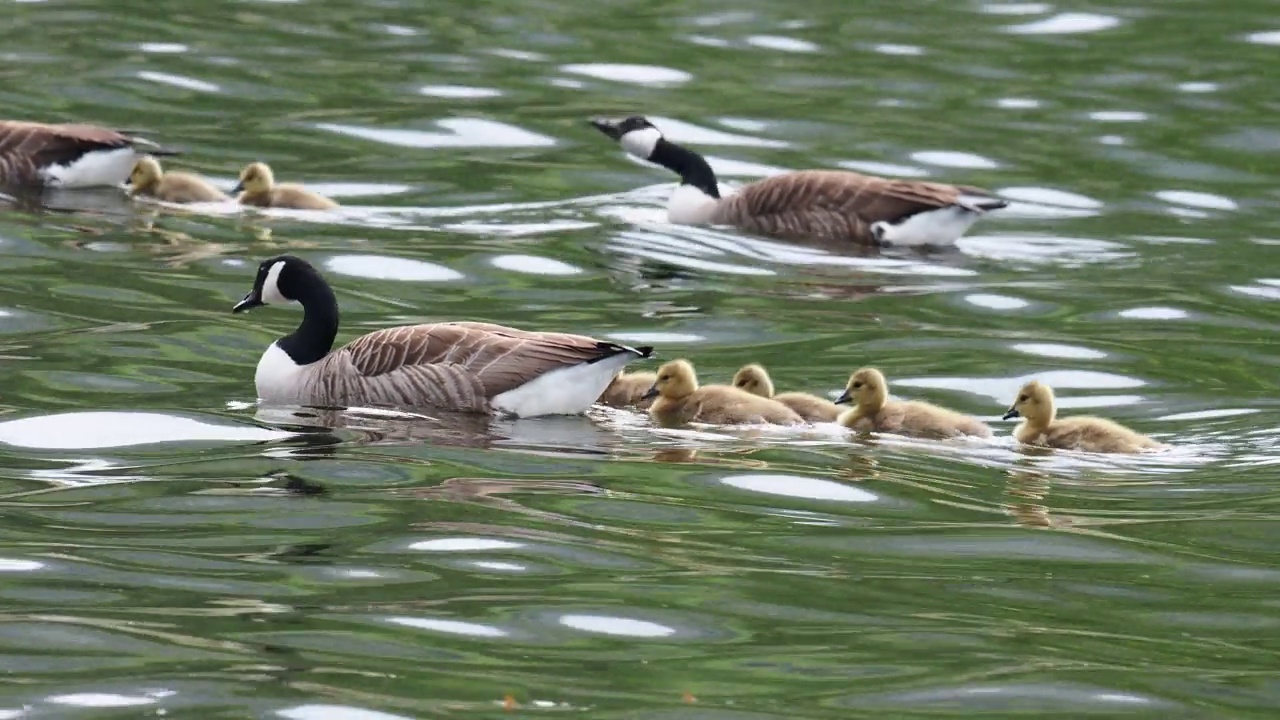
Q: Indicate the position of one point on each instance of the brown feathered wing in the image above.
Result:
(832, 204)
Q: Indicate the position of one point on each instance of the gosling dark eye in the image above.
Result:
(664, 377)
(1022, 398)
(857, 385)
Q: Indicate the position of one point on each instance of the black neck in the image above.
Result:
(314, 337)
(692, 168)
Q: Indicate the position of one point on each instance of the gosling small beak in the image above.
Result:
(128, 182)
(239, 188)
(650, 393)
(250, 301)
(1011, 414)
(608, 127)
(844, 398)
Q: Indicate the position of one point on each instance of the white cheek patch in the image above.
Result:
(641, 142)
(271, 286)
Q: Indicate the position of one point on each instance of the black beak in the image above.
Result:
(1011, 414)
(650, 393)
(128, 182)
(844, 398)
(239, 188)
(608, 127)
(250, 301)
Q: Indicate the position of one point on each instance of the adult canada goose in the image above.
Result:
(808, 204)
(1040, 426)
(70, 156)
(875, 411)
(679, 400)
(628, 389)
(464, 366)
(149, 179)
(755, 379)
(258, 187)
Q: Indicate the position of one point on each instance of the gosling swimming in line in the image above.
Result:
(1040, 426)
(679, 401)
(149, 179)
(875, 411)
(808, 204)
(257, 187)
(755, 379)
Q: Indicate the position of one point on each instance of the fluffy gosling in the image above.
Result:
(627, 389)
(149, 179)
(680, 401)
(875, 411)
(755, 379)
(258, 187)
(1039, 426)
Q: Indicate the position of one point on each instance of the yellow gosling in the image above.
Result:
(258, 187)
(755, 379)
(149, 179)
(627, 389)
(1040, 426)
(875, 411)
(680, 401)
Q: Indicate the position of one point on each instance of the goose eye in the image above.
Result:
(857, 385)
(1022, 398)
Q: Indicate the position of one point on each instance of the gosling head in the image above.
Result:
(866, 387)
(635, 134)
(1034, 402)
(146, 174)
(754, 379)
(255, 178)
(281, 279)
(676, 379)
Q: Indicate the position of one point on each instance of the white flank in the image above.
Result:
(566, 391)
(99, 168)
(279, 378)
(936, 227)
(641, 142)
(690, 206)
(271, 294)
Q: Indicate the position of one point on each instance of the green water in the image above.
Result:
(170, 548)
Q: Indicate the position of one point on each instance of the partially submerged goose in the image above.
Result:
(679, 400)
(755, 379)
(149, 179)
(258, 187)
(464, 366)
(1040, 426)
(875, 411)
(70, 156)
(628, 389)
(808, 204)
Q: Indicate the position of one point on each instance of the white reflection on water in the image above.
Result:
(874, 167)
(11, 565)
(1204, 200)
(459, 92)
(954, 159)
(1067, 23)
(335, 712)
(464, 544)
(612, 625)
(798, 486)
(533, 265)
(637, 74)
(381, 267)
(179, 81)
(452, 627)
(782, 43)
(461, 133)
(90, 430)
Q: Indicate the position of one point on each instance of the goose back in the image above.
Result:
(832, 204)
(1088, 433)
(916, 418)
